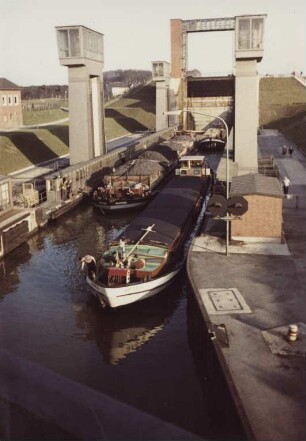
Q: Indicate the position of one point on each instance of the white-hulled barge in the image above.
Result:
(149, 254)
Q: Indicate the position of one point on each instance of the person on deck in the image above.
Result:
(121, 248)
(89, 263)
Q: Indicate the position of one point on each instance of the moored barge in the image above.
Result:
(135, 182)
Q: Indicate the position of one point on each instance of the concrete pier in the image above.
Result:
(250, 298)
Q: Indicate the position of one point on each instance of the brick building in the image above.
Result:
(10, 105)
(263, 220)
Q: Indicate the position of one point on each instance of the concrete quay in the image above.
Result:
(248, 299)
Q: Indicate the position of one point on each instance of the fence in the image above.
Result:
(39, 105)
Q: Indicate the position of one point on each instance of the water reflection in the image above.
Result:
(220, 406)
(141, 355)
(10, 271)
(121, 332)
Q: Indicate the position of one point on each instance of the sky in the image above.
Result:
(137, 32)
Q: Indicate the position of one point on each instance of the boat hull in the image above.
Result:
(124, 295)
(209, 145)
(119, 206)
(66, 206)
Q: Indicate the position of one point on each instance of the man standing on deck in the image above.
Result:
(89, 262)
(121, 248)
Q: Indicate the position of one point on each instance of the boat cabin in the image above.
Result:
(194, 165)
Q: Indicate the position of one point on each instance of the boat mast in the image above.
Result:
(147, 231)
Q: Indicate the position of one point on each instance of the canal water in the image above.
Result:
(149, 355)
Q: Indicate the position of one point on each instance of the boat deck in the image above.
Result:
(152, 255)
(169, 211)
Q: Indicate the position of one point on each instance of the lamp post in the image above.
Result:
(178, 112)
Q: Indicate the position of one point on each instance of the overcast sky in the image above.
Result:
(137, 32)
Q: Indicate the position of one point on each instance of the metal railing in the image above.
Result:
(267, 166)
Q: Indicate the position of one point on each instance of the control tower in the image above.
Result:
(81, 50)
(161, 76)
(249, 48)
(248, 52)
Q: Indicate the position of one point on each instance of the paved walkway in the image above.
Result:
(255, 293)
(300, 79)
(51, 123)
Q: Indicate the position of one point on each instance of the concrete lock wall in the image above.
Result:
(202, 122)
(246, 116)
(162, 91)
(88, 174)
(80, 134)
(86, 114)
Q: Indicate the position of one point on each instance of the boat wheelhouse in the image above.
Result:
(193, 165)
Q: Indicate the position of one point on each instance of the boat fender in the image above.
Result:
(128, 276)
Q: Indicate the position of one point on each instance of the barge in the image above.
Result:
(148, 255)
(135, 182)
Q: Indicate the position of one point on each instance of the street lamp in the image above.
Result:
(178, 112)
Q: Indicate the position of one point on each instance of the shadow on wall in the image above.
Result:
(142, 98)
(30, 146)
(292, 127)
(227, 115)
(129, 124)
(146, 99)
(61, 132)
(96, 178)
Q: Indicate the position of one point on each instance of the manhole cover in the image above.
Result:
(224, 301)
(277, 340)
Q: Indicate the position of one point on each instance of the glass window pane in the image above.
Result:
(93, 45)
(244, 34)
(74, 43)
(100, 44)
(63, 44)
(4, 195)
(257, 33)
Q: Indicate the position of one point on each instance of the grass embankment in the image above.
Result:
(134, 112)
(23, 148)
(283, 107)
(33, 117)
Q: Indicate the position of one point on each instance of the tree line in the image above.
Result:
(130, 77)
